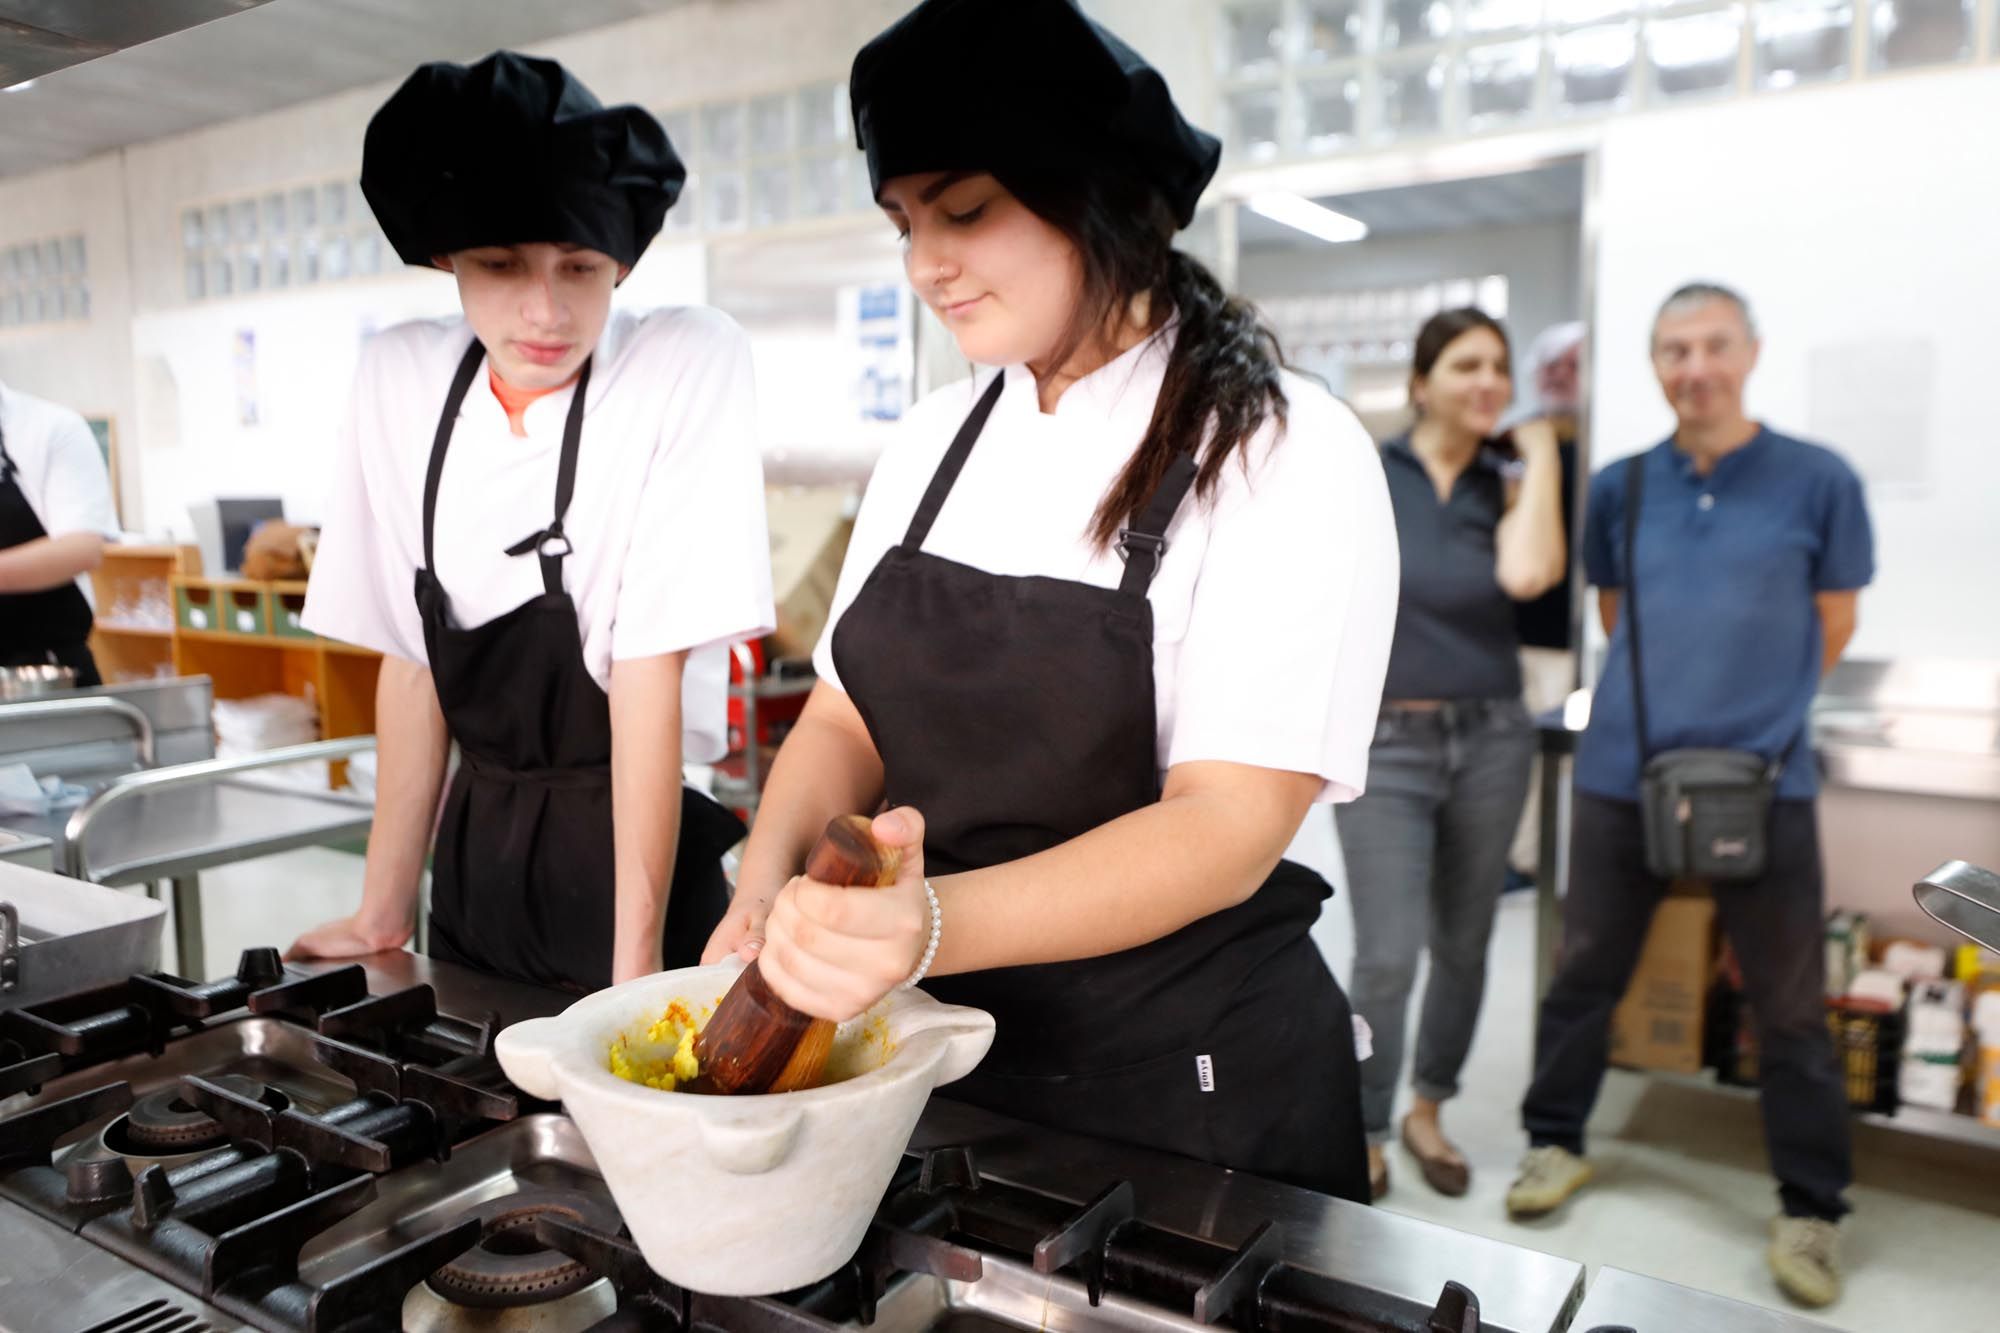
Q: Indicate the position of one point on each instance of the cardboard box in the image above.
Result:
(1658, 1025)
(810, 527)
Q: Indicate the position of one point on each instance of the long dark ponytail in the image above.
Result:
(1222, 381)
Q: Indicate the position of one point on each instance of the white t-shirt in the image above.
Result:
(667, 519)
(1275, 604)
(58, 468)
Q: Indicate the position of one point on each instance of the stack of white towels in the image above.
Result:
(244, 727)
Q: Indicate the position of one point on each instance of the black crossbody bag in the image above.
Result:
(1706, 813)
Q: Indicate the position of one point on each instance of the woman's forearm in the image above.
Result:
(49, 562)
(1206, 844)
(827, 767)
(645, 806)
(1530, 554)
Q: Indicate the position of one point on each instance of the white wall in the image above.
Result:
(1845, 215)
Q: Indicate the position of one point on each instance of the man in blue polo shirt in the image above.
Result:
(1752, 548)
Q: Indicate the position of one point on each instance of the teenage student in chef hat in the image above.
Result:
(1114, 619)
(549, 518)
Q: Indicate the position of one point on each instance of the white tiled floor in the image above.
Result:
(1682, 1193)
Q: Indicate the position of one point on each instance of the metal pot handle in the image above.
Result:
(1965, 898)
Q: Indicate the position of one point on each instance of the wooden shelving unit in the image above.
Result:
(128, 575)
(243, 636)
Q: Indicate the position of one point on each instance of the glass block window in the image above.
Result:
(723, 208)
(1331, 112)
(1255, 31)
(1907, 33)
(277, 240)
(1802, 41)
(782, 157)
(1255, 117)
(44, 281)
(1413, 96)
(1415, 22)
(1333, 29)
(1593, 66)
(1491, 16)
(1694, 55)
(1500, 82)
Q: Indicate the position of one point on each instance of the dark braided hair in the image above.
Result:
(1222, 377)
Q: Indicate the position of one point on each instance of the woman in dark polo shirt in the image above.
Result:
(1480, 525)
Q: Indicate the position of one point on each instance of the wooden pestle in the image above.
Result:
(758, 1043)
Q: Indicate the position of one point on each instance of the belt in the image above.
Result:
(581, 775)
(1448, 712)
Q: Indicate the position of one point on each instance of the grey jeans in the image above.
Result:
(1426, 851)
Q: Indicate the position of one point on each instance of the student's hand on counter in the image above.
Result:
(832, 952)
(349, 937)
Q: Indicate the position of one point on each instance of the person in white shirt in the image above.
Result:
(550, 519)
(1114, 618)
(55, 516)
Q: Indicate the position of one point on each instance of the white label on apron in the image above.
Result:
(246, 622)
(1204, 1069)
(198, 617)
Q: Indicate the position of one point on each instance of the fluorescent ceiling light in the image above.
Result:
(20, 87)
(1311, 218)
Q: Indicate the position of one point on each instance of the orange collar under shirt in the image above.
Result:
(516, 401)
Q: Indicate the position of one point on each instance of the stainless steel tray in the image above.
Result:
(72, 936)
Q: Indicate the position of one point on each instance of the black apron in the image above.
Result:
(39, 628)
(522, 880)
(1018, 713)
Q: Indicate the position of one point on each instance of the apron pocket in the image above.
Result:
(1157, 1103)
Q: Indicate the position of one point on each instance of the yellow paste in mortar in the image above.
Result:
(663, 1056)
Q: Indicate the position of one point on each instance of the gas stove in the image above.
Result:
(287, 1149)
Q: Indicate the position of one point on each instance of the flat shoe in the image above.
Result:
(1449, 1178)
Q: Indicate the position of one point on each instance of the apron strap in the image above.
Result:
(1144, 545)
(552, 544)
(954, 462)
(468, 365)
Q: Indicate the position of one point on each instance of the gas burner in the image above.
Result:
(163, 1125)
(511, 1269)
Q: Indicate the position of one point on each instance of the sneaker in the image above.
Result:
(1805, 1258)
(1548, 1176)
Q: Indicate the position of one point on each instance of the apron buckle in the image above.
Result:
(1151, 543)
(551, 542)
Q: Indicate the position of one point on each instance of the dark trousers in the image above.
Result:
(1776, 926)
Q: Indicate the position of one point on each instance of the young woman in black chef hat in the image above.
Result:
(549, 518)
(1115, 617)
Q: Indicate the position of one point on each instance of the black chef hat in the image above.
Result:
(958, 85)
(514, 150)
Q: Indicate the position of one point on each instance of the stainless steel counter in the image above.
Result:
(1619, 1299)
(182, 830)
(48, 1276)
(1520, 1290)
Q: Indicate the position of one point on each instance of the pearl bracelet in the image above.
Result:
(930, 949)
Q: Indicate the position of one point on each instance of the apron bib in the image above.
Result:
(37, 628)
(1018, 713)
(522, 880)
